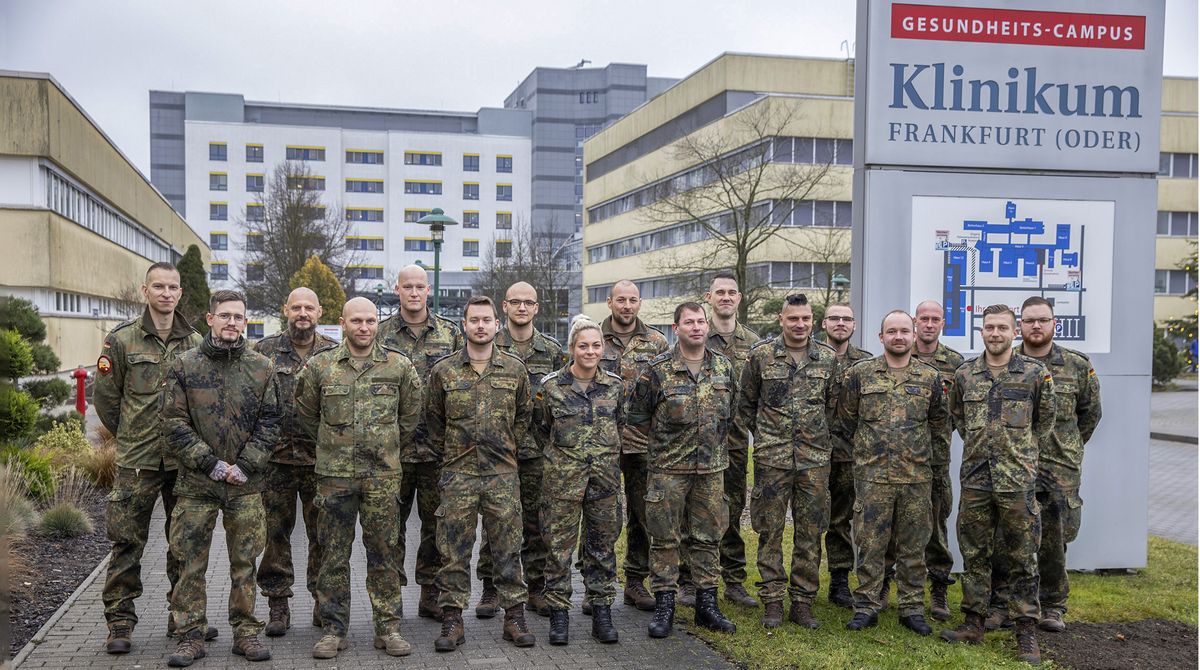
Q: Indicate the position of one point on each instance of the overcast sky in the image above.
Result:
(447, 54)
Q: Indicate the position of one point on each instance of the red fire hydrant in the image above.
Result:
(80, 376)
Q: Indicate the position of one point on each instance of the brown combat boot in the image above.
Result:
(687, 595)
(536, 602)
(801, 615)
(515, 628)
(1052, 621)
(939, 609)
(453, 634)
(489, 601)
(280, 617)
(971, 631)
(190, 650)
(736, 594)
(637, 595)
(1027, 644)
(428, 605)
(772, 615)
(252, 648)
(120, 638)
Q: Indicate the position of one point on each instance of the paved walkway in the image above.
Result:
(76, 638)
(1174, 414)
(1173, 490)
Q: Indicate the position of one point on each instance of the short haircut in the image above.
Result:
(479, 300)
(579, 324)
(162, 265)
(623, 282)
(724, 274)
(999, 308)
(894, 311)
(224, 295)
(690, 305)
(1037, 300)
(795, 299)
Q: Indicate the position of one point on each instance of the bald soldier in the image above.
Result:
(292, 461)
(424, 337)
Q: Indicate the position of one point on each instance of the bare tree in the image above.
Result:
(291, 224)
(739, 198)
(523, 257)
(128, 302)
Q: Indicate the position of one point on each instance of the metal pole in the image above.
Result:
(437, 271)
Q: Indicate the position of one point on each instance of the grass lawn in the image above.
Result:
(1166, 589)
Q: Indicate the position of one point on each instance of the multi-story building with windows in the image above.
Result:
(1177, 195)
(83, 222)
(212, 156)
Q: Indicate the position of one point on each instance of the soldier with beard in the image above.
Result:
(292, 463)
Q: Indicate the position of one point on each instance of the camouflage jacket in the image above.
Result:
(894, 426)
(131, 376)
(945, 360)
(1002, 422)
(295, 447)
(476, 421)
(579, 426)
(687, 418)
(628, 362)
(361, 420)
(439, 339)
(1077, 413)
(737, 350)
(222, 405)
(545, 356)
(788, 408)
(841, 448)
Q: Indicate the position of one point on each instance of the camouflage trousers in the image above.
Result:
(533, 546)
(806, 493)
(419, 484)
(938, 559)
(1060, 525)
(573, 490)
(130, 506)
(192, 524)
(637, 540)
(693, 502)
(276, 572)
(733, 547)
(839, 541)
(374, 503)
(465, 498)
(1006, 526)
(892, 526)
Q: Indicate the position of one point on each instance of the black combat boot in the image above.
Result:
(664, 614)
(863, 620)
(839, 589)
(602, 626)
(560, 621)
(916, 623)
(709, 615)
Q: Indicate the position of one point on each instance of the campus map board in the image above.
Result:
(975, 252)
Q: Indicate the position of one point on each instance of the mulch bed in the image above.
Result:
(1122, 646)
(59, 566)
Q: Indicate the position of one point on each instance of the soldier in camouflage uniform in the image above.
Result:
(1077, 396)
(787, 399)
(930, 319)
(128, 394)
(684, 402)
(578, 414)
(478, 413)
(542, 355)
(893, 413)
(361, 401)
(629, 344)
(731, 338)
(424, 337)
(221, 419)
(292, 473)
(1002, 404)
(838, 327)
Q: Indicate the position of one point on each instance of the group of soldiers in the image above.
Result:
(558, 450)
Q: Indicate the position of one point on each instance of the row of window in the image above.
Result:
(219, 151)
(1177, 224)
(1177, 165)
(808, 150)
(219, 211)
(256, 183)
(83, 208)
(1173, 282)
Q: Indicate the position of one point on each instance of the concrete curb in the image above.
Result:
(1169, 437)
(40, 635)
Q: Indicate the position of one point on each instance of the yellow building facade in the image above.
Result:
(83, 221)
(631, 164)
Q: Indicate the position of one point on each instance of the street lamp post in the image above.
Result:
(437, 222)
(379, 300)
(840, 282)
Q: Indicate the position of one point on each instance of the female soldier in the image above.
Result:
(578, 413)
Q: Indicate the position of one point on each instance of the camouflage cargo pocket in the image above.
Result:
(1015, 407)
(1072, 516)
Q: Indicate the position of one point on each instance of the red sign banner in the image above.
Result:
(1018, 26)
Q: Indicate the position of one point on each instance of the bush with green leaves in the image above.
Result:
(51, 392)
(36, 469)
(16, 357)
(64, 444)
(18, 413)
(20, 315)
(1165, 365)
(45, 360)
(47, 422)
